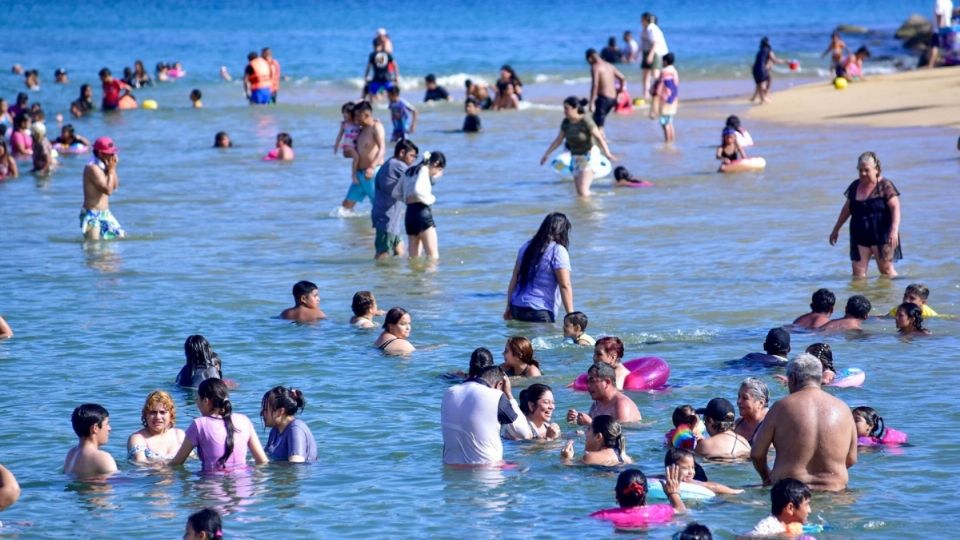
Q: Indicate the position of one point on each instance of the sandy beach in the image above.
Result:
(925, 98)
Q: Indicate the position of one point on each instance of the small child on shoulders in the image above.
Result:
(916, 293)
(349, 131)
(790, 506)
(821, 308)
(91, 423)
(574, 327)
(364, 308)
(306, 296)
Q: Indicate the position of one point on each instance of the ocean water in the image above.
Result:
(694, 270)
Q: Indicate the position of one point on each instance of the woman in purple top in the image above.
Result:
(221, 436)
(290, 438)
(541, 275)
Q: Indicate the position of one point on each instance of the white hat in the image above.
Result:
(381, 31)
(38, 129)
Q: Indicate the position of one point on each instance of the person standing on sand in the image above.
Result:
(100, 180)
(370, 151)
(603, 87)
(813, 432)
(762, 64)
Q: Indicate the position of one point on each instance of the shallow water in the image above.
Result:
(694, 270)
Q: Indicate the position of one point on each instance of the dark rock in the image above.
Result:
(915, 24)
(851, 29)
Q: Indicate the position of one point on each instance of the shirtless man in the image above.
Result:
(821, 307)
(91, 423)
(306, 297)
(100, 180)
(857, 310)
(603, 87)
(602, 385)
(813, 432)
(479, 92)
(370, 151)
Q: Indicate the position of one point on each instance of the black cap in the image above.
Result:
(778, 341)
(718, 410)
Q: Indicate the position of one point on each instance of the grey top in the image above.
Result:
(296, 440)
(388, 207)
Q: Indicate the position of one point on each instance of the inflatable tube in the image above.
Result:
(639, 516)
(688, 491)
(127, 102)
(744, 165)
(75, 148)
(272, 155)
(891, 437)
(849, 377)
(646, 373)
(624, 103)
(150, 105)
(563, 164)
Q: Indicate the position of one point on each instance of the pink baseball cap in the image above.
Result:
(105, 145)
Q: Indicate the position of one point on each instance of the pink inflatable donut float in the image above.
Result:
(647, 373)
(891, 437)
(636, 517)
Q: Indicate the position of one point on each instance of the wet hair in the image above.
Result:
(21, 120)
(804, 368)
(733, 122)
(468, 83)
(522, 349)
(491, 375)
(869, 156)
(532, 394)
(86, 416)
(163, 399)
(250, 56)
(362, 106)
(554, 228)
(824, 353)
(610, 345)
(105, 72)
(206, 521)
(431, 78)
(621, 173)
(872, 419)
(362, 302)
(285, 138)
(823, 301)
(405, 145)
(480, 359)
(858, 306)
(576, 318)
(668, 59)
(393, 91)
(694, 531)
(757, 389)
(631, 490)
(612, 433)
(917, 289)
(574, 102)
(219, 138)
(684, 414)
(765, 42)
(216, 391)
(198, 353)
(675, 455)
(195, 94)
(471, 101)
(612, 41)
(590, 53)
(67, 129)
(393, 316)
(302, 288)
(281, 398)
(603, 370)
(787, 491)
(348, 107)
(915, 313)
(864, 51)
(22, 99)
(83, 89)
(431, 159)
(513, 74)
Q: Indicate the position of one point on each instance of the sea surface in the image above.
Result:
(694, 270)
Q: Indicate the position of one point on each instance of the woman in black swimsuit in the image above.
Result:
(518, 358)
(873, 207)
(729, 149)
(396, 331)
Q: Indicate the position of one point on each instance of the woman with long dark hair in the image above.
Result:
(541, 275)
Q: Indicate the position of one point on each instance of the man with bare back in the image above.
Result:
(370, 152)
(603, 86)
(813, 432)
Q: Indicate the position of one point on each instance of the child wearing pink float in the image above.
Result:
(284, 149)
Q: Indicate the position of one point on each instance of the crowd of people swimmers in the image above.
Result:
(481, 409)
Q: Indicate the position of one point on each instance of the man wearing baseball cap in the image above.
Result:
(99, 182)
(776, 347)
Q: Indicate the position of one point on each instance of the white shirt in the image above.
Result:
(943, 9)
(630, 50)
(653, 36)
(419, 186)
(471, 430)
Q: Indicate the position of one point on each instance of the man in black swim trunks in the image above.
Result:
(603, 87)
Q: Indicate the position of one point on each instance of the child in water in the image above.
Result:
(222, 140)
(916, 293)
(910, 320)
(306, 297)
(685, 461)
(364, 308)
(44, 161)
(195, 98)
(790, 506)
(729, 149)
(575, 326)
(349, 131)
(631, 495)
(284, 149)
(609, 350)
(603, 446)
(743, 136)
(623, 178)
(202, 363)
(91, 423)
(665, 100)
(687, 429)
(871, 430)
(204, 525)
(471, 123)
(402, 114)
